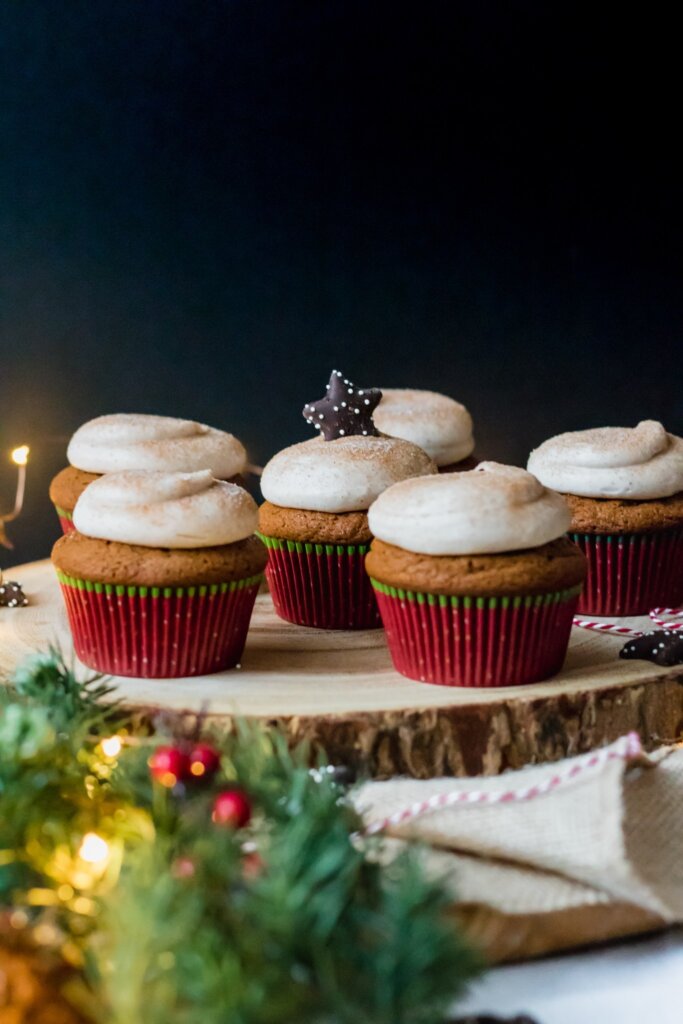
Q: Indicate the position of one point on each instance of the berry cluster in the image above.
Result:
(194, 765)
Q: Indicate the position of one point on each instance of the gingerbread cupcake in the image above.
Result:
(476, 582)
(161, 573)
(436, 423)
(624, 487)
(314, 521)
(126, 441)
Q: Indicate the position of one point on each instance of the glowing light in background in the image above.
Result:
(20, 455)
(111, 747)
(93, 849)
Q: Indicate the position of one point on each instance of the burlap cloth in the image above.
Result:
(600, 856)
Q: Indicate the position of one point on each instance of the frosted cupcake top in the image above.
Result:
(612, 462)
(490, 509)
(165, 510)
(126, 441)
(437, 423)
(342, 475)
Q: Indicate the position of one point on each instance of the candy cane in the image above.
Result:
(614, 627)
(625, 749)
(667, 623)
(606, 627)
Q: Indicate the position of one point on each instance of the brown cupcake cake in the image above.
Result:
(126, 441)
(161, 573)
(555, 566)
(624, 488)
(314, 520)
(475, 578)
(436, 423)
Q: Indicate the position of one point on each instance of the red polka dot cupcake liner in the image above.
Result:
(159, 632)
(476, 641)
(65, 520)
(630, 573)
(321, 585)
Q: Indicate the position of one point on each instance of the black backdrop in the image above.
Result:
(205, 206)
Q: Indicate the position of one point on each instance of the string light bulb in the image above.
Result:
(111, 746)
(93, 849)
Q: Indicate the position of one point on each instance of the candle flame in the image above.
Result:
(20, 455)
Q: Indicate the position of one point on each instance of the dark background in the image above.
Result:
(206, 206)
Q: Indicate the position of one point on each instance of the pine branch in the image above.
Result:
(191, 933)
(73, 704)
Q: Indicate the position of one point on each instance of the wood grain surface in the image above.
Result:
(340, 692)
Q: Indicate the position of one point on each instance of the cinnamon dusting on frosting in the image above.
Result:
(639, 463)
(131, 441)
(493, 508)
(343, 475)
(165, 510)
(435, 422)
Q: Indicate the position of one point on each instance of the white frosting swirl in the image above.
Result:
(437, 423)
(612, 462)
(489, 509)
(124, 441)
(165, 510)
(344, 475)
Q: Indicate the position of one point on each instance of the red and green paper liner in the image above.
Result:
(65, 520)
(630, 573)
(476, 641)
(321, 585)
(159, 632)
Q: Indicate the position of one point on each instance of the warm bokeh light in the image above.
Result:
(20, 455)
(94, 849)
(111, 747)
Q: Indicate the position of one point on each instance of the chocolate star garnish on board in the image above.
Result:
(345, 410)
(12, 596)
(663, 646)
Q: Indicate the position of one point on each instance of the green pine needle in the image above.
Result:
(188, 922)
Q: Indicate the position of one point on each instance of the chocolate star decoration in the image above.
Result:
(345, 410)
(663, 646)
(12, 596)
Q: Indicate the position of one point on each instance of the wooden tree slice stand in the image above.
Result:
(340, 692)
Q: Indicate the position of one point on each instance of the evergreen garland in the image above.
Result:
(174, 918)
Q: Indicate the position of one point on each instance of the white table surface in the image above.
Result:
(635, 982)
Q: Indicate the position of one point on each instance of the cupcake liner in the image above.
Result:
(630, 573)
(476, 641)
(65, 520)
(321, 585)
(159, 632)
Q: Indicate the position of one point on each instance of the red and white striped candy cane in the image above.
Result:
(606, 627)
(656, 614)
(600, 626)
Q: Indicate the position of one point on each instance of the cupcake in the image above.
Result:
(161, 573)
(125, 441)
(624, 487)
(476, 582)
(314, 521)
(434, 422)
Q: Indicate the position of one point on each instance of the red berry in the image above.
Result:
(204, 762)
(169, 765)
(183, 867)
(231, 807)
